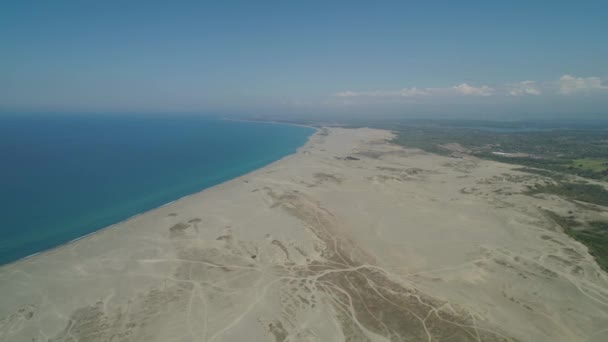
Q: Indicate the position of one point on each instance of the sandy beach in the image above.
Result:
(352, 238)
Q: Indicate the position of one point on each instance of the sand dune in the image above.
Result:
(352, 238)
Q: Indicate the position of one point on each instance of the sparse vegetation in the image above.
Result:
(550, 154)
(578, 152)
(553, 154)
(590, 193)
(545, 173)
(594, 165)
(593, 234)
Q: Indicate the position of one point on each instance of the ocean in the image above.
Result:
(66, 176)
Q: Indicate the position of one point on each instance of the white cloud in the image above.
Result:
(405, 92)
(523, 88)
(569, 84)
(409, 92)
(461, 89)
(566, 85)
(347, 94)
(469, 90)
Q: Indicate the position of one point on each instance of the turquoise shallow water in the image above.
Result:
(65, 176)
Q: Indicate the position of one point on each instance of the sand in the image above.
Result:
(352, 238)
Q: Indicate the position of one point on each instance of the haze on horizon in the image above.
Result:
(516, 59)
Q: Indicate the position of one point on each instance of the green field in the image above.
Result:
(577, 152)
(594, 165)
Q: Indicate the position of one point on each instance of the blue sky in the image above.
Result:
(534, 58)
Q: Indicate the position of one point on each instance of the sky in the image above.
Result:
(488, 59)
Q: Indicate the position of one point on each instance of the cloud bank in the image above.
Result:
(523, 88)
(461, 89)
(569, 84)
(565, 85)
(405, 92)
(468, 90)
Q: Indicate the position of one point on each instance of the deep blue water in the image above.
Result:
(65, 176)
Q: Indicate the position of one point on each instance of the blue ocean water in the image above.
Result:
(65, 176)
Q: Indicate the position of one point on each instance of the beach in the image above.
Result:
(351, 238)
(67, 176)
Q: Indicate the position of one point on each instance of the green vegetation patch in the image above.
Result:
(595, 165)
(583, 153)
(596, 241)
(566, 222)
(545, 173)
(593, 234)
(590, 193)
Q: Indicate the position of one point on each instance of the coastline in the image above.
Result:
(84, 237)
(273, 122)
(305, 245)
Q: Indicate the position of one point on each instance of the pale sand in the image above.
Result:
(397, 245)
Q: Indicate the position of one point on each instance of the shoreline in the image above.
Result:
(84, 237)
(287, 248)
(273, 122)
